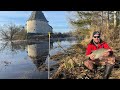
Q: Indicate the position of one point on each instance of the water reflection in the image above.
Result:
(39, 52)
(26, 58)
(12, 47)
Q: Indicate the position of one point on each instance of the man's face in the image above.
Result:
(96, 38)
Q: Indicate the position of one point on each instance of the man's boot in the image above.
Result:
(95, 68)
(107, 72)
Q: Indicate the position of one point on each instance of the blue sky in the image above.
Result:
(57, 19)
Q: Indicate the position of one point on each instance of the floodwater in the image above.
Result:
(23, 61)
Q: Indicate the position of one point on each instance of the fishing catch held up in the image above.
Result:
(99, 53)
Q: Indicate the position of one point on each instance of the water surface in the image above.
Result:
(22, 61)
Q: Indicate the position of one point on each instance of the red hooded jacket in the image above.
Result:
(92, 47)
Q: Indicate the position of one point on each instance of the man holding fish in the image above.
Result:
(99, 53)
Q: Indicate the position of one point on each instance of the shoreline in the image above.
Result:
(40, 40)
(71, 67)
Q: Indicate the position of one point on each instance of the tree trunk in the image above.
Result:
(115, 19)
(102, 22)
(108, 20)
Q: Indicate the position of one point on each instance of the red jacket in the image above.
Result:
(92, 47)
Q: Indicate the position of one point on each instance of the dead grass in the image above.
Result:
(72, 67)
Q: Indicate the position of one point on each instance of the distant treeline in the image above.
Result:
(61, 35)
(19, 32)
(45, 37)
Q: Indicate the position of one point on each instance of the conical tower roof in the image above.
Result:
(37, 15)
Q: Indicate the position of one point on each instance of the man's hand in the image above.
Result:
(92, 56)
(107, 53)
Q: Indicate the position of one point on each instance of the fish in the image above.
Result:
(99, 53)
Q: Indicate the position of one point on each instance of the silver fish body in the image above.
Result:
(98, 53)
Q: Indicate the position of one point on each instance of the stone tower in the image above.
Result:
(38, 24)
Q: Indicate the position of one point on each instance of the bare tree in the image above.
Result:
(107, 19)
(8, 32)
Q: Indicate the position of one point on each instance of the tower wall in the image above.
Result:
(38, 50)
(37, 26)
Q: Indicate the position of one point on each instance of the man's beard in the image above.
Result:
(96, 42)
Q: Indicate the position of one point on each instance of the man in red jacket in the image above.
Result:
(97, 43)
